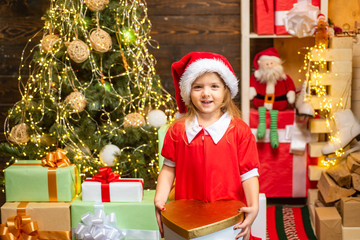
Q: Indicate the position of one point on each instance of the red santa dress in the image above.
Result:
(211, 162)
(279, 99)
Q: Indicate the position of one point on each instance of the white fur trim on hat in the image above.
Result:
(198, 68)
(267, 57)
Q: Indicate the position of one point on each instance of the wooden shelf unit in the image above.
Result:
(246, 37)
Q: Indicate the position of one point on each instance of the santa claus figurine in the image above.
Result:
(270, 89)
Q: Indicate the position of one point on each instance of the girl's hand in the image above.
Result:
(245, 226)
(159, 207)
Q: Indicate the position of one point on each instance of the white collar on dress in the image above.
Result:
(216, 131)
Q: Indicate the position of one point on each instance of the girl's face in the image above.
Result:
(207, 94)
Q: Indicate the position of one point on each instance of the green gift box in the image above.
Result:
(28, 180)
(136, 219)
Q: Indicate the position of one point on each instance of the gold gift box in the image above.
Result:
(53, 219)
(192, 218)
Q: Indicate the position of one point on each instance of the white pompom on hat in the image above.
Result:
(195, 64)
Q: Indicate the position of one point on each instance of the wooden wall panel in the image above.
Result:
(185, 26)
(193, 7)
(14, 35)
(9, 91)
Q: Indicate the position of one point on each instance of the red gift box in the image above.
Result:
(282, 174)
(263, 11)
(281, 8)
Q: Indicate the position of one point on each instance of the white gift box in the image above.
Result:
(258, 228)
(123, 190)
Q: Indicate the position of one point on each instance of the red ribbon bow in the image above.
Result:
(105, 176)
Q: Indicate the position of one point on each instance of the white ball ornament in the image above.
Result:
(156, 118)
(107, 154)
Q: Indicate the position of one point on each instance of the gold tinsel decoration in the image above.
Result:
(100, 40)
(78, 51)
(134, 120)
(48, 42)
(96, 5)
(19, 134)
(76, 100)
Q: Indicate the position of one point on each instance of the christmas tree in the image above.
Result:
(91, 89)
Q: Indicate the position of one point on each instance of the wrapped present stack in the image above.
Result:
(43, 202)
(335, 206)
(121, 206)
(38, 196)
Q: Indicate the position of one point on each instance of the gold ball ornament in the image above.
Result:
(100, 40)
(134, 120)
(48, 42)
(19, 134)
(76, 100)
(96, 5)
(78, 51)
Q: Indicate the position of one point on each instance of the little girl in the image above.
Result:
(210, 150)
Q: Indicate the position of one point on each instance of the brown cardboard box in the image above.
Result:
(320, 202)
(312, 215)
(341, 175)
(350, 211)
(327, 223)
(356, 181)
(353, 164)
(312, 196)
(53, 218)
(330, 191)
(355, 156)
(350, 233)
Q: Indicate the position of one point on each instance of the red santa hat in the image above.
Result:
(321, 17)
(270, 53)
(195, 64)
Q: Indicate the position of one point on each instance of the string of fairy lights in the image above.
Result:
(67, 38)
(316, 71)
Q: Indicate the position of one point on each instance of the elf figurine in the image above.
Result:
(270, 89)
